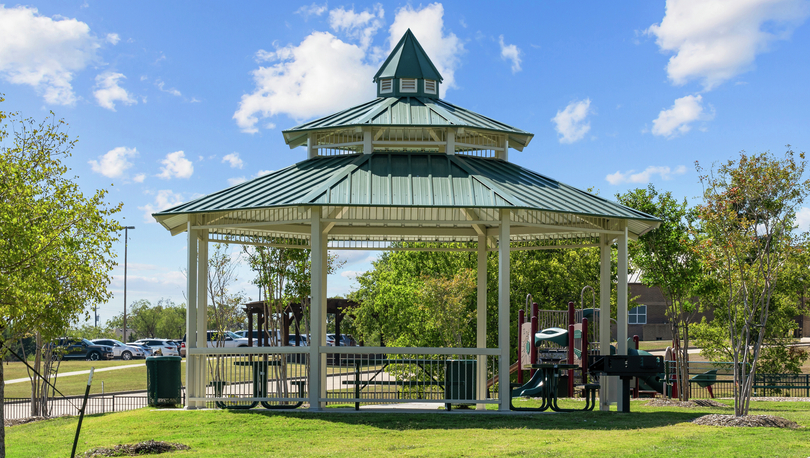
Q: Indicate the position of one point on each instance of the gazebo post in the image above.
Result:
(324, 306)
(504, 307)
(202, 306)
(481, 322)
(605, 243)
(621, 304)
(191, 319)
(316, 309)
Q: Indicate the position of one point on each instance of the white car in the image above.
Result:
(165, 347)
(120, 349)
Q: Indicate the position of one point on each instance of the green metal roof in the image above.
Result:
(407, 112)
(407, 180)
(408, 60)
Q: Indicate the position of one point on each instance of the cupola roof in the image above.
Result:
(408, 60)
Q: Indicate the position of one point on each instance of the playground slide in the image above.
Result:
(652, 382)
(533, 388)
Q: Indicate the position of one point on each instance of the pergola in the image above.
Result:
(404, 167)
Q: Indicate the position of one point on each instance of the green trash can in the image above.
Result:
(163, 384)
(459, 380)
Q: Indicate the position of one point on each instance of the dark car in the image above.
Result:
(75, 348)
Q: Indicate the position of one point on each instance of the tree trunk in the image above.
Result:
(685, 386)
(2, 411)
(36, 383)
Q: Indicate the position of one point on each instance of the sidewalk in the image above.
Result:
(85, 372)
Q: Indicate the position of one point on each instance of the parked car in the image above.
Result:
(291, 340)
(147, 351)
(229, 340)
(75, 348)
(121, 350)
(346, 340)
(165, 347)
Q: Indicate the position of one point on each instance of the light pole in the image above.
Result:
(126, 233)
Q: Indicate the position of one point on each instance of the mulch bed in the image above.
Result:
(662, 402)
(141, 448)
(748, 421)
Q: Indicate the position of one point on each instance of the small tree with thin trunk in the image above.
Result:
(749, 214)
(55, 242)
(667, 259)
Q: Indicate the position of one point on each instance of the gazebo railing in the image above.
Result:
(277, 377)
(405, 375)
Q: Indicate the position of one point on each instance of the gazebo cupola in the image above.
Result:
(407, 116)
(408, 71)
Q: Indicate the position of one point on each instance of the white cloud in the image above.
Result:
(324, 73)
(234, 160)
(113, 38)
(427, 24)
(236, 180)
(715, 40)
(678, 119)
(803, 219)
(44, 53)
(176, 165)
(321, 75)
(362, 26)
(108, 91)
(646, 176)
(511, 53)
(570, 123)
(351, 274)
(160, 85)
(311, 10)
(261, 173)
(114, 162)
(164, 199)
(139, 178)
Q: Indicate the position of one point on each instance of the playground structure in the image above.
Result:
(556, 336)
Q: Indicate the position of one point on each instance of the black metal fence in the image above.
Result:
(20, 408)
(765, 385)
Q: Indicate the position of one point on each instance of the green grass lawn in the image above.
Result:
(646, 432)
(17, 370)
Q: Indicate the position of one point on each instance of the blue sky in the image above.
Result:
(173, 100)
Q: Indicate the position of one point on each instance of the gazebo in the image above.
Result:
(404, 167)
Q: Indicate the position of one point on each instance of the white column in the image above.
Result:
(315, 307)
(604, 317)
(202, 306)
(481, 322)
(504, 308)
(312, 150)
(324, 304)
(505, 156)
(450, 148)
(368, 147)
(621, 304)
(191, 319)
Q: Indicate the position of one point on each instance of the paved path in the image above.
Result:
(85, 372)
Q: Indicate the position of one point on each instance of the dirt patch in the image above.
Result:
(23, 421)
(141, 448)
(748, 421)
(688, 404)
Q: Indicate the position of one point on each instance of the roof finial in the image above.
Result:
(408, 71)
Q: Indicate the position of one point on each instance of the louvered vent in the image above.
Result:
(430, 87)
(386, 85)
(407, 85)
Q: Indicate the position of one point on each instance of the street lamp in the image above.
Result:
(126, 229)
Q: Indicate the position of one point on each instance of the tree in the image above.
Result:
(749, 214)
(164, 320)
(667, 259)
(55, 242)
